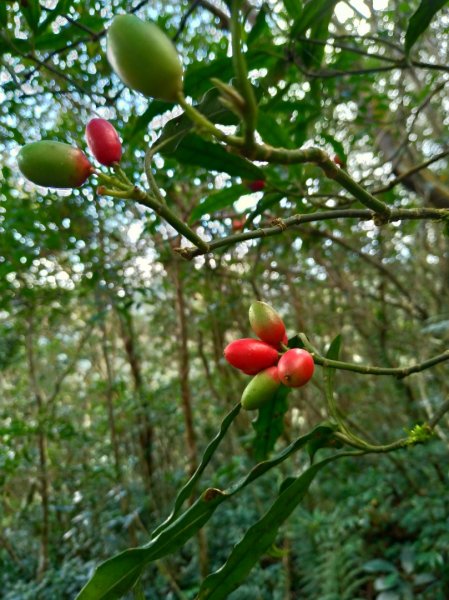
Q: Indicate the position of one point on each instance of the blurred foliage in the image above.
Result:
(90, 336)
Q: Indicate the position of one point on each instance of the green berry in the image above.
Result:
(261, 389)
(144, 58)
(54, 164)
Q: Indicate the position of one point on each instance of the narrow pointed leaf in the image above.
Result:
(421, 19)
(187, 489)
(218, 201)
(269, 424)
(259, 538)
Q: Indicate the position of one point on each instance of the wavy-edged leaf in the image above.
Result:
(421, 19)
(116, 576)
(269, 424)
(265, 465)
(259, 538)
(323, 439)
(218, 201)
(186, 490)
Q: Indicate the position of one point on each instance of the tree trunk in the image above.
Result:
(42, 450)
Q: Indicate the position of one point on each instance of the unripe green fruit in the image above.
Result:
(54, 164)
(266, 323)
(261, 389)
(144, 58)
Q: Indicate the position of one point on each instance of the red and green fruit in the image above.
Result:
(261, 389)
(144, 58)
(296, 367)
(250, 356)
(54, 164)
(266, 323)
(103, 142)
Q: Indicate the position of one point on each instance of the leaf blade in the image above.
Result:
(420, 21)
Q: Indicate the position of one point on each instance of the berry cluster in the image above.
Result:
(58, 165)
(269, 359)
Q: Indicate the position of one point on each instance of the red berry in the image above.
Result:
(257, 185)
(296, 367)
(238, 224)
(266, 323)
(103, 141)
(250, 356)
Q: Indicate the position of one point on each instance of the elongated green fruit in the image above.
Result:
(54, 164)
(144, 58)
(266, 323)
(261, 389)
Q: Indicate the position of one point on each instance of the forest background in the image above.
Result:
(112, 375)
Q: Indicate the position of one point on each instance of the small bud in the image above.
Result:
(257, 185)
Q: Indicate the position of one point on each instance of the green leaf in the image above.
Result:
(268, 199)
(113, 578)
(264, 466)
(294, 8)
(259, 538)
(62, 7)
(378, 565)
(271, 131)
(117, 575)
(194, 150)
(334, 349)
(198, 76)
(420, 20)
(329, 376)
(311, 15)
(187, 489)
(218, 201)
(3, 15)
(313, 53)
(323, 439)
(156, 107)
(260, 29)
(269, 424)
(31, 10)
(176, 129)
